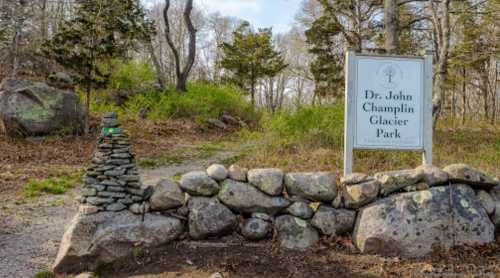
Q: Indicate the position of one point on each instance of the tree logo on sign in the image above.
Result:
(389, 75)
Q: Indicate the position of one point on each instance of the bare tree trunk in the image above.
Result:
(464, 94)
(182, 75)
(391, 21)
(157, 65)
(442, 24)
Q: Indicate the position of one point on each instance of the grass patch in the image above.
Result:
(44, 274)
(54, 185)
(311, 139)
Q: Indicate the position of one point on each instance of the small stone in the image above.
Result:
(393, 181)
(115, 189)
(486, 201)
(295, 233)
(130, 178)
(116, 207)
(217, 172)
(198, 183)
(167, 195)
(256, 229)
(121, 155)
(332, 221)
(139, 208)
(112, 194)
(301, 210)
(208, 217)
(263, 216)
(463, 173)
(432, 175)
(88, 209)
(137, 192)
(114, 173)
(110, 182)
(338, 202)
(126, 201)
(90, 180)
(105, 146)
(355, 178)
(96, 201)
(118, 161)
(85, 275)
(88, 192)
(269, 181)
(319, 186)
(358, 195)
(238, 173)
(98, 187)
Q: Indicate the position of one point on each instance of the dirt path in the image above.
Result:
(31, 229)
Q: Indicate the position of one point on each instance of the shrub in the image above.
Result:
(313, 126)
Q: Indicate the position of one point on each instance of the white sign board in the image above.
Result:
(388, 104)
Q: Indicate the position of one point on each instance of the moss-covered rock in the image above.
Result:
(31, 109)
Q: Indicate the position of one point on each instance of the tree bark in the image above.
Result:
(182, 75)
(391, 21)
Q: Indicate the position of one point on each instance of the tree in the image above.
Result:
(251, 57)
(100, 31)
(182, 75)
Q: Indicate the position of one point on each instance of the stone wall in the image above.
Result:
(405, 213)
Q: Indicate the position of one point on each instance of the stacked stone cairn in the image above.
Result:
(112, 182)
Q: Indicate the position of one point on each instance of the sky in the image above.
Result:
(278, 14)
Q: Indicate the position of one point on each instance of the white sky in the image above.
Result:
(278, 14)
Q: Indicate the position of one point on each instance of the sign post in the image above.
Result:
(388, 104)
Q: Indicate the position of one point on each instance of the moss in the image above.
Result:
(422, 196)
(44, 274)
(54, 185)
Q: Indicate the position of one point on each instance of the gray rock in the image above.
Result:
(432, 175)
(92, 240)
(295, 233)
(238, 173)
(87, 209)
(61, 80)
(300, 210)
(413, 224)
(208, 217)
(330, 221)
(320, 186)
(140, 208)
(462, 173)
(495, 193)
(167, 195)
(495, 217)
(395, 180)
(269, 181)
(215, 123)
(198, 183)
(112, 194)
(88, 192)
(116, 207)
(355, 178)
(263, 216)
(217, 172)
(358, 195)
(245, 198)
(256, 229)
(97, 201)
(32, 109)
(486, 201)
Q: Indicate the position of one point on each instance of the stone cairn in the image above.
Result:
(112, 182)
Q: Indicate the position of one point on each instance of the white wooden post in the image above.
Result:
(350, 62)
(428, 128)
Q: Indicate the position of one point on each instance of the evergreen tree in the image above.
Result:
(100, 31)
(251, 57)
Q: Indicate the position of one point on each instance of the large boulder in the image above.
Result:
(319, 186)
(208, 217)
(104, 237)
(242, 197)
(269, 181)
(31, 109)
(414, 224)
(198, 183)
(332, 221)
(463, 173)
(217, 172)
(295, 233)
(395, 180)
(167, 195)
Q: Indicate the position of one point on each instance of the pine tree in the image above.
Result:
(251, 57)
(100, 31)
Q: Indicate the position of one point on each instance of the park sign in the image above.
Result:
(388, 104)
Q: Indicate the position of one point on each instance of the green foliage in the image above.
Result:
(133, 76)
(44, 274)
(250, 57)
(312, 126)
(54, 185)
(100, 31)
